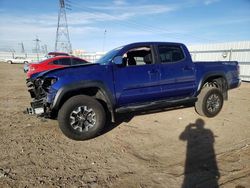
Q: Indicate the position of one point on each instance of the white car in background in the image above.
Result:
(18, 60)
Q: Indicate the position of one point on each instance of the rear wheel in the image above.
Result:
(210, 102)
(10, 62)
(81, 117)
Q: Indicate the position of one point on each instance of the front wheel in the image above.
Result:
(81, 117)
(210, 102)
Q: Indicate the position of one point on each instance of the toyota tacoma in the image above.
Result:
(137, 76)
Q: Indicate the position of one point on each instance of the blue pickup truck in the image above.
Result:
(138, 76)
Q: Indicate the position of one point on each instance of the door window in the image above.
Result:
(169, 54)
(63, 61)
(138, 56)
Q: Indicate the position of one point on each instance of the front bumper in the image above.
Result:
(37, 111)
(39, 105)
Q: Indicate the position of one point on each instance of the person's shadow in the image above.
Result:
(201, 168)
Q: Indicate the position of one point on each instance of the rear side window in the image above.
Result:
(170, 53)
(76, 61)
(63, 61)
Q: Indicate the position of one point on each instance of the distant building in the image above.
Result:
(229, 51)
(89, 56)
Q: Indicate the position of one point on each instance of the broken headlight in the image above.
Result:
(48, 82)
(38, 82)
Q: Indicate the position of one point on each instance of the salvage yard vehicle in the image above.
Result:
(138, 76)
(18, 60)
(58, 61)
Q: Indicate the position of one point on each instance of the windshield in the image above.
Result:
(108, 56)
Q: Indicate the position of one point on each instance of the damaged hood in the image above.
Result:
(44, 73)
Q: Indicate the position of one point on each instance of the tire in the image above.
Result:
(10, 62)
(210, 102)
(81, 117)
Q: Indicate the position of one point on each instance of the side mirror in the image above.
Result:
(118, 60)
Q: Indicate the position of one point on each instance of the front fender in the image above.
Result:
(71, 88)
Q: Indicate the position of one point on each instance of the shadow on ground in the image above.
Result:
(127, 117)
(201, 168)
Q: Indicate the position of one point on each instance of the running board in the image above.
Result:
(155, 104)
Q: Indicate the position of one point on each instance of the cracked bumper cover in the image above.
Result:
(41, 104)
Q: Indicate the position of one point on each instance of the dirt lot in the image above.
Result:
(162, 149)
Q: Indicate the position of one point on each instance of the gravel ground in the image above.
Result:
(168, 148)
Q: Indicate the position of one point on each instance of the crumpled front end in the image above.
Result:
(42, 94)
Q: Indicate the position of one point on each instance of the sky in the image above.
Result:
(125, 21)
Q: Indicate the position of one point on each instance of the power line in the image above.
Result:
(124, 22)
(140, 26)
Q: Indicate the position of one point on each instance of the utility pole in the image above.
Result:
(45, 49)
(37, 47)
(12, 52)
(104, 40)
(62, 33)
(22, 49)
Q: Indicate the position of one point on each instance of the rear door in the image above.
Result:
(177, 72)
(137, 80)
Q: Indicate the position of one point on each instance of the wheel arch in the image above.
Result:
(216, 79)
(94, 89)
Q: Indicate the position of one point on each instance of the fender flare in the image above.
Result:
(208, 75)
(105, 92)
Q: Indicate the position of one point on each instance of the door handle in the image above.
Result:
(153, 71)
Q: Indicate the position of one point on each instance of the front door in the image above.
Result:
(137, 80)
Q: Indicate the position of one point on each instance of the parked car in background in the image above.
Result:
(18, 60)
(54, 63)
(49, 55)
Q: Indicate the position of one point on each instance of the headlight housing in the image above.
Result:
(48, 82)
(38, 82)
